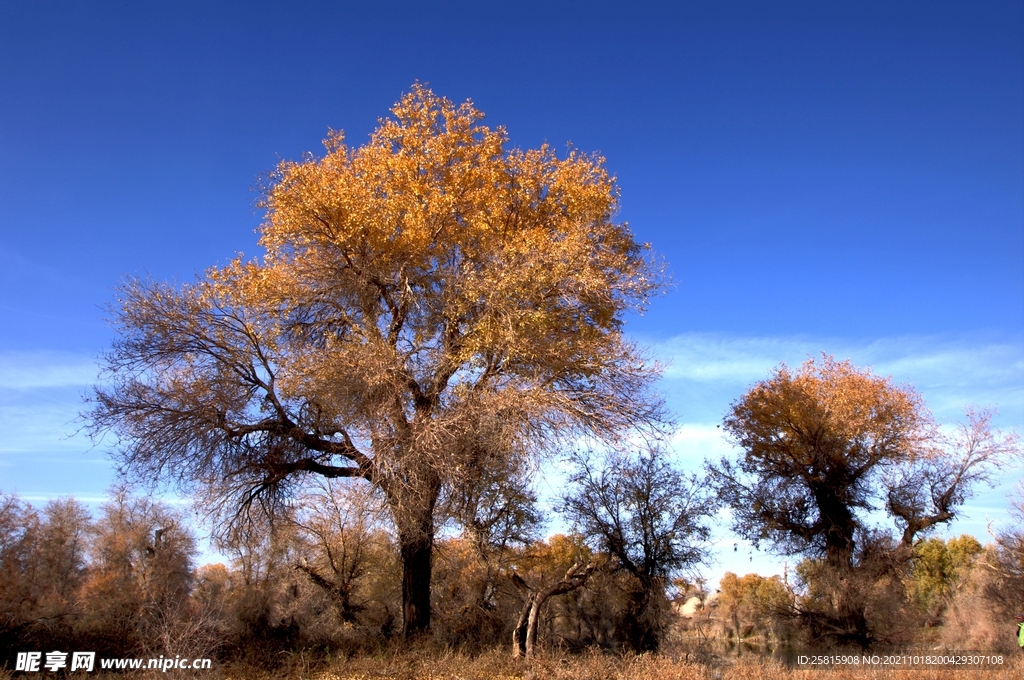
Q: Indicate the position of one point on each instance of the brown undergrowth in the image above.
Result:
(430, 663)
(423, 665)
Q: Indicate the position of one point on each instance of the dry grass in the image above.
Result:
(428, 663)
(432, 664)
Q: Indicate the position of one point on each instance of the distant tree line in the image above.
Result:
(324, 580)
(323, 576)
(122, 583)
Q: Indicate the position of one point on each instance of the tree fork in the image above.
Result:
(524, 641)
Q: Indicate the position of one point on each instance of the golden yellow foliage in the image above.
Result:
(832, 409)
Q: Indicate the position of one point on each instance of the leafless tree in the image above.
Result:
(929, 489)
(650, 518)
(140, 577)
(343, 527)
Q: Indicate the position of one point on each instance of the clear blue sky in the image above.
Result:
(846, 177)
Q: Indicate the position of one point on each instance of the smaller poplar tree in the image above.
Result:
(825, 444)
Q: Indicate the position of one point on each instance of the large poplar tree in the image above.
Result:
(426, 303)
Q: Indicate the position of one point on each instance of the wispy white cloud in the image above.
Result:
(42, 450)
(950, 372)
(92, 498)
(35, 370)
(41, 422)
(86, 498)
(709, 358)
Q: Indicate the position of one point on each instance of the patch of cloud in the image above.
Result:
(36, 370)
(704, 357)
(693, 443)
(700, 437)
(41, 422)
(42, 448)
(704, 369)
(86, 498)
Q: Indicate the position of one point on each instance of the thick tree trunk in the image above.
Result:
(414, 518)
(642, 626)
(417, 550)
(851, 615)
(840, 527)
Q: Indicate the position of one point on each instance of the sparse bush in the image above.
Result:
(42, 567)
(938, 567)
(981, 610)
(475, 606)
(139, 580)
(754, 605)
(883, 615)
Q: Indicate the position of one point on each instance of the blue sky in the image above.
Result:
(839, 177)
